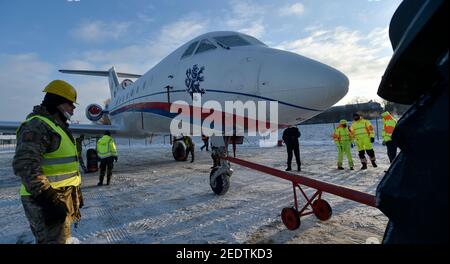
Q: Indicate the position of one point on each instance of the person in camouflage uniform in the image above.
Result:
(46, 161)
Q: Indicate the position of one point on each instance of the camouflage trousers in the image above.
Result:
(44, 234)
(56, 233)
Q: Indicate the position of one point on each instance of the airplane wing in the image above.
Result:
(93, 129)
(101, 73)
(9, 127)
(77, 129)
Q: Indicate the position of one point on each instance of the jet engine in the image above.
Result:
(94, 112)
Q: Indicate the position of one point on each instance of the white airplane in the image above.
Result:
(222, 66)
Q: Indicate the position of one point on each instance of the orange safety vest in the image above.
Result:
(389, 124)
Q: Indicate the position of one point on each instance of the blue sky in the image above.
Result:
(40, 37)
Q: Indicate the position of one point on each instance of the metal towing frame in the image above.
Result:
(316, 205)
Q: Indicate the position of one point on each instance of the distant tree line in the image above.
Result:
(369, 110)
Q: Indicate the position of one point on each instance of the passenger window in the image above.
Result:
(205, 45)
(189, 50)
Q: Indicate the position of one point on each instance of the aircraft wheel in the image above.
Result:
(290, 217)
(220, 184)
(322, 209)
(179, 151)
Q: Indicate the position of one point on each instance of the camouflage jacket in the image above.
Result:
(35, 138)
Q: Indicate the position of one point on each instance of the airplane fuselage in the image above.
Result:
(252, 72)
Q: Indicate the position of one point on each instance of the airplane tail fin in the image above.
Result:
(111, 74)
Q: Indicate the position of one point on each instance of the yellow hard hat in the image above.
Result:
(343, 122)
(62, 89)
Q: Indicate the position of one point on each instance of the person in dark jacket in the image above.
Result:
(205, 140)
(414, 192)
(290, 138)
(79, 143)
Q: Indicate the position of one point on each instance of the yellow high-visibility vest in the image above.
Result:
(342, 135)
(362, 128)
(106, 147)
(60, 166)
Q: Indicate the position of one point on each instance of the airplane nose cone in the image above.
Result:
(332, 86)
(300, 81)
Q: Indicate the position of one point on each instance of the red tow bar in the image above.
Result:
(319, 207)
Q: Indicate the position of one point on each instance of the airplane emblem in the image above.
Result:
(193, 78)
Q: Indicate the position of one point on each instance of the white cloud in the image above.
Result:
(255, 29)
(78, 65)
(363, 58)
(242, 9)
(23, 77)
(247, 17)
(181, 31)
(100, 31)
(137, 58)
(289, 10)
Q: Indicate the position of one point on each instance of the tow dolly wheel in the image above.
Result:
(219, 184)
(179, 151)
(322, 209)
(290, 217)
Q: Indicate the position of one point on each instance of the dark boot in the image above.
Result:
(351, 168)
(374, 164)
(288, 169)
(340, 168)
(298, 168)
(364, 166)
(100, 181)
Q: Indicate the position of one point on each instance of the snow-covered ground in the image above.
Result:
(154, 199)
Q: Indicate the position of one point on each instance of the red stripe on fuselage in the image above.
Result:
(239, 120)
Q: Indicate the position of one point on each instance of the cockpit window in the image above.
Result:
(190, 49)
(205, 45)
(232, 41)
(254, 40)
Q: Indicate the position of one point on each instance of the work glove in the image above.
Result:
(383, 143)
(116, 158)
(372, 140)
(54, 210)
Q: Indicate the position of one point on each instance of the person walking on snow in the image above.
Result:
(205, 140)
(362, 132)
(343, 140)
(290, 138)
(389, 124)
(107, 152)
